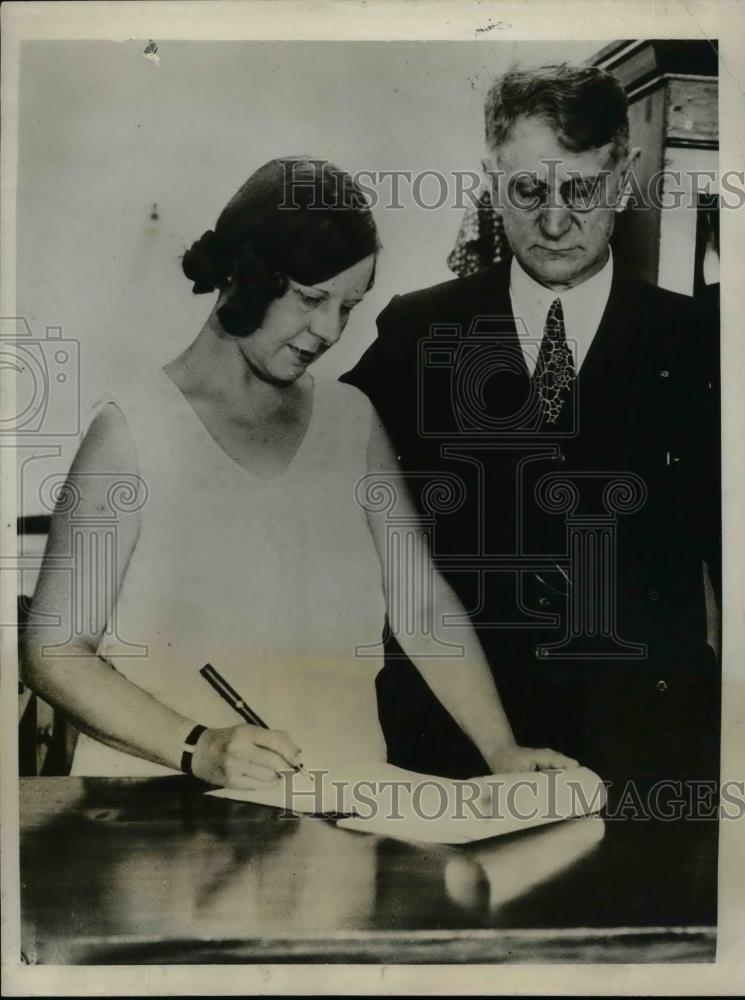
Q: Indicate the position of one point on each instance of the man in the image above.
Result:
(577, 408)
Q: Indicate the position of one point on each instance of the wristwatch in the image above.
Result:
(190, 745)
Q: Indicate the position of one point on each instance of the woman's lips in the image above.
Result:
(305, 356)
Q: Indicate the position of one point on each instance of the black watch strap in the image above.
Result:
(190, 744)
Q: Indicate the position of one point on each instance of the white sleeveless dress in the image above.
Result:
(275, 582)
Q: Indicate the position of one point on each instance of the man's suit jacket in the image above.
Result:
(447, 376)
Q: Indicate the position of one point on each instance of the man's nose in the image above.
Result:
(327, 325)
(555, 222)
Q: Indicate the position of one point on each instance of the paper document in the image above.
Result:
(323, 791)
(392, 802)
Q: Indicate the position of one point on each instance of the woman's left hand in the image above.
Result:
(517, 758)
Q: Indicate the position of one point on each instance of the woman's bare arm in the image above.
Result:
(100, 700)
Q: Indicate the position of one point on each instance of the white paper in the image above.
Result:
(393, 802)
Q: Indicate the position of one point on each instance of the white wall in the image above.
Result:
(105, 132)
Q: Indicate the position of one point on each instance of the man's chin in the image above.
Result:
(555, 270)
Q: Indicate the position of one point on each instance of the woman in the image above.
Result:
(246, 548)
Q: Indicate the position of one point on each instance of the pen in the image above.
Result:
(231, 696)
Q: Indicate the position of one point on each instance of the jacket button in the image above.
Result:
(654, 595)
(664, 373)
(661, 686)
(543, 602)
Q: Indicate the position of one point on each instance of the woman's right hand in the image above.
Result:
(244, 756)
(511, 758)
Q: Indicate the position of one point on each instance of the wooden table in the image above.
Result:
(152, 871)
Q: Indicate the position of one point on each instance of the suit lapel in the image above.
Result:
(490, 302)
(494, 339)
(609, 380)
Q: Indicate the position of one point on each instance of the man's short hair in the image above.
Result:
(586, 106)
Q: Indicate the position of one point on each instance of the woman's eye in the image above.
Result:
(306, 299)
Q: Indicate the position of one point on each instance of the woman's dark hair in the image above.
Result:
(296, 217)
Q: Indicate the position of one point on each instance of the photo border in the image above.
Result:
(486, 23)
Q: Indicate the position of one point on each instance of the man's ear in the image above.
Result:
(626, 184)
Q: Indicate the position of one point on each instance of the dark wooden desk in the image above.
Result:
(152, 871)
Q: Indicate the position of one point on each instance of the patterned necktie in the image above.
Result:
(554, 371)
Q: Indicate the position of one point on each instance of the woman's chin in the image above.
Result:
(283, 379)
(291, 373)
(279, 375)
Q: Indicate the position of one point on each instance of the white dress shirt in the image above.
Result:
(583, 308)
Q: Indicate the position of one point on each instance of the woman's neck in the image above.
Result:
(213, 367)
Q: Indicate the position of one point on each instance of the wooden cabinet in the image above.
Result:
(673, 114)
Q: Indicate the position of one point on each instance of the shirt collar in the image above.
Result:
(583, 305)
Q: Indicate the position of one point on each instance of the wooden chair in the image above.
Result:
(46, 738)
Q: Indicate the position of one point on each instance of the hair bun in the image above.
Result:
(206, 264)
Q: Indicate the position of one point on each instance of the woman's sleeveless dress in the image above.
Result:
(275, 582)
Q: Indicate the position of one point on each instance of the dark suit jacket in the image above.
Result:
(447, 376)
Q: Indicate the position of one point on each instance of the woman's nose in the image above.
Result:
(327, 325)
(555, 222)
